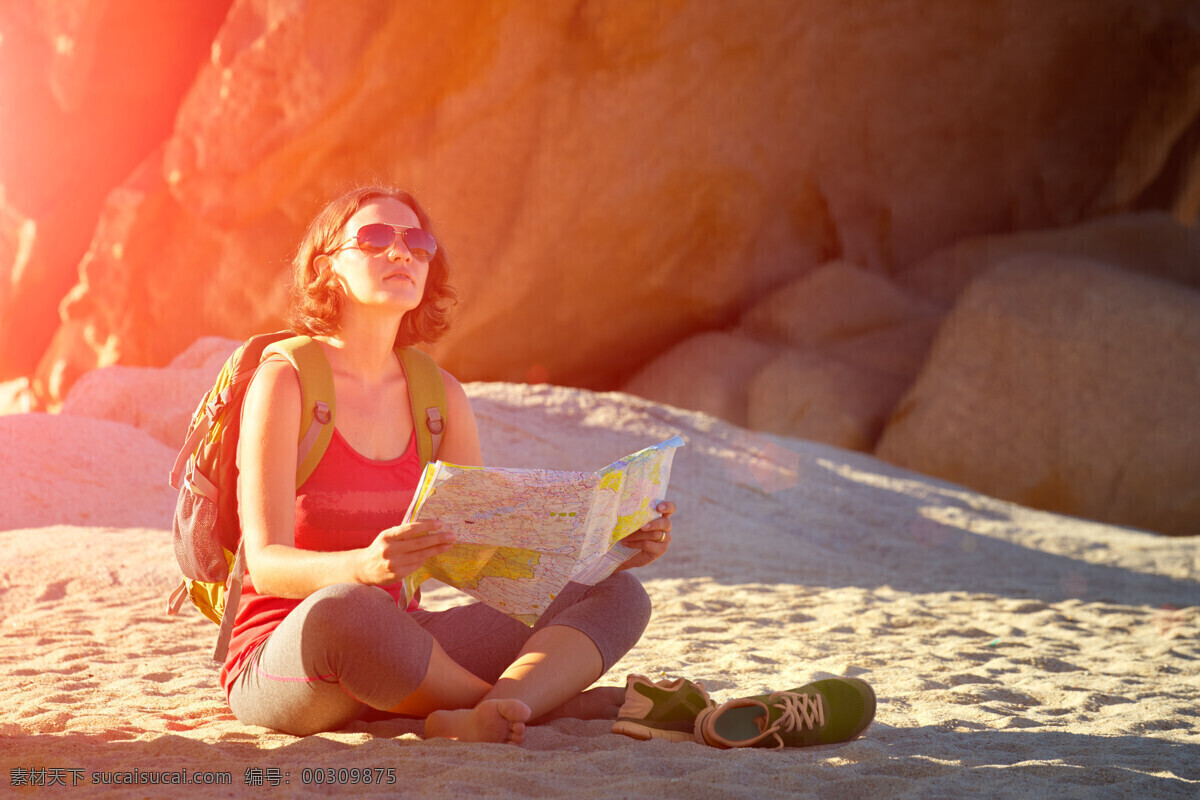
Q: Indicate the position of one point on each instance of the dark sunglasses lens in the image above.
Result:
(379, 236)
(376, 237)
(419, 243)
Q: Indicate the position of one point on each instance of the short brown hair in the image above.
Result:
(317, 298)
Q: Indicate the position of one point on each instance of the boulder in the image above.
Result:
(208, 353)
(79, 471)
(898, 351)
(1153, 244)
(1064, 384)
(620, 176)
(824, 357)
(707, 372)
(159, 401)
(837, 302)
(810, 396)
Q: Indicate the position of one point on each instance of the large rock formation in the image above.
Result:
(88, 90)
(614, 181)
(618, 176)
(1064, 384)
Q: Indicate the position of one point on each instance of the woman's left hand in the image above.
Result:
(651, 540)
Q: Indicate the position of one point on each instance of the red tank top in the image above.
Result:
(343, 505)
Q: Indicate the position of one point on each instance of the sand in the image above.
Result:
(1015, 653)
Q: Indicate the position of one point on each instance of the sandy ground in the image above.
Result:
(1015, 653)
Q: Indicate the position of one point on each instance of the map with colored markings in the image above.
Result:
(522, 534)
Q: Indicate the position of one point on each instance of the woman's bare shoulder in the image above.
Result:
(274, 388)
(455, 393)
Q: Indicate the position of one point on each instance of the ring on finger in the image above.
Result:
(662, 536)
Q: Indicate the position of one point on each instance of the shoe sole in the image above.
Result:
(638, 731)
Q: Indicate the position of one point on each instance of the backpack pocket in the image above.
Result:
(197, 541)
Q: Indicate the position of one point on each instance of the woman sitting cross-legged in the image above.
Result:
(322, 637)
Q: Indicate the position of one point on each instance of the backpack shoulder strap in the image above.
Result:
(316, 399)
(427, 393)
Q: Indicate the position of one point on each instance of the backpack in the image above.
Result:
(206, 529)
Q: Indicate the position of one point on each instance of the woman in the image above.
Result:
(320, 639)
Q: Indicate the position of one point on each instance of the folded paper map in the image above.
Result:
(522, 534)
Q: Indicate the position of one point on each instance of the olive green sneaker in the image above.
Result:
(663, 710)
(822, 712)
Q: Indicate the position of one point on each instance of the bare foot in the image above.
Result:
(602, 702)
(490, 721)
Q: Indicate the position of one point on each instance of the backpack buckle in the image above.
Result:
(434, 421)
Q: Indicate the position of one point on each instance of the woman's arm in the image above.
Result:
(460, 445)
(267, 505)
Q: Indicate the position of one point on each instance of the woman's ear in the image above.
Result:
(324, 265)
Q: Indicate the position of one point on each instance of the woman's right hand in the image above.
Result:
(400, 551)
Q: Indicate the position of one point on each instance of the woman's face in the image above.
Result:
(392, 279)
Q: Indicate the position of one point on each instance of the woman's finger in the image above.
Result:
(413, 530)
(650, 541)
(420, 547)
(660, 524)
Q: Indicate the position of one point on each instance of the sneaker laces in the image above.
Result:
(796, 712)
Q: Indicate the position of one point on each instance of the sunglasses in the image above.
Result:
(379, 237)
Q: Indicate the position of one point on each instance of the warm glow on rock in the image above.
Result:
(732, 207)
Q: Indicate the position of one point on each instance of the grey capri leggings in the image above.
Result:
(349, 648)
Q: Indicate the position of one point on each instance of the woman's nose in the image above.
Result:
(399, 252)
